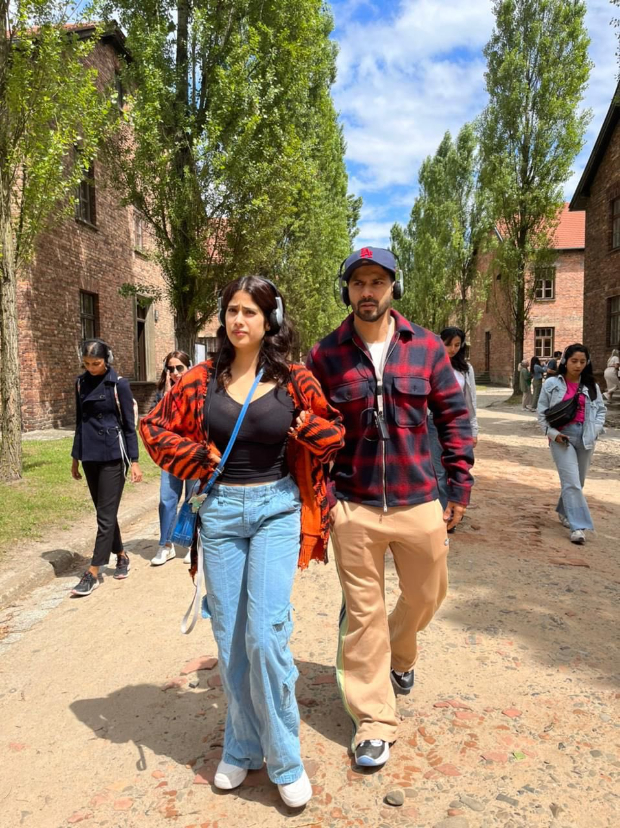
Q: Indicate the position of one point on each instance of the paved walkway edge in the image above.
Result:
(41, 568)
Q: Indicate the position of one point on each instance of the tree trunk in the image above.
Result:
(185, 333)
(519, 335)
(10, 396)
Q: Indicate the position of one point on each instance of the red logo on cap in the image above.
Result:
(366, 253)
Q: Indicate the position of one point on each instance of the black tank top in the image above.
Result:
(259, 452)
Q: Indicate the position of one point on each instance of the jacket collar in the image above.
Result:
(346, 331)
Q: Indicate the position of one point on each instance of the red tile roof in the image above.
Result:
(571, 231)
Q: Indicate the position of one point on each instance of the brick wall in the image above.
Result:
(99, 259)
(602, 265)
(564, 314)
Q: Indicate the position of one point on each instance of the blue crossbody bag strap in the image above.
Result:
(194, 608)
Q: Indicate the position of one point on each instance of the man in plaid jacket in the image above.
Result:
(384, 373)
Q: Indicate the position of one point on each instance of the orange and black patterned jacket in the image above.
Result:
(174, 436)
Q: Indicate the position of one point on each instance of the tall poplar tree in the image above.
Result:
(448, 226)
(531, 131)
(49, 103)
(228, 105)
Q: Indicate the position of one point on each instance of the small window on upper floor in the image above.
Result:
(120, 92)
(85, 205)
(615, 223)
(545, 284)
(138, 231)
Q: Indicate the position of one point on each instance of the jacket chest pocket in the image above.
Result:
(351, 397)
(409, 401)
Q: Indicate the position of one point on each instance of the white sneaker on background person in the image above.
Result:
(578, 536)
(163, 555)
(188, 558)
(228, 776)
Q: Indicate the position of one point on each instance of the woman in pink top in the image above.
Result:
(572, 445)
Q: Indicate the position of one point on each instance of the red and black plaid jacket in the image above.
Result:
(417, 377)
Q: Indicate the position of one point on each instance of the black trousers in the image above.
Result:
(106, 482)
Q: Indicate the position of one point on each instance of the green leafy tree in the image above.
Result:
(49, 103)
(221, 149)
(447, 228)
(531, 132)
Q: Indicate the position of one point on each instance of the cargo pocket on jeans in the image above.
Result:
(283, 627)
(288, 689)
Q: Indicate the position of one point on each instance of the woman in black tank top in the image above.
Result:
(250, 534)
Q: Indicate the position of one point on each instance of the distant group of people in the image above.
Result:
(371, 442)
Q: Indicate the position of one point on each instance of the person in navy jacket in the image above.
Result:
(106, 444)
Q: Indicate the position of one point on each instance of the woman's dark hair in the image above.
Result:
(275, 348)
(97, 349)
(533, 361)
(587, 375)
(459, 363)
(182, 357)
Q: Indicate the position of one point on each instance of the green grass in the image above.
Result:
(47, 497)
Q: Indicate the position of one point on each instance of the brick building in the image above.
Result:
(556, 316)
(71, 290)
(598, 193)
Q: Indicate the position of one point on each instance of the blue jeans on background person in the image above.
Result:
(572, 463)
(170, 491)
(440, 472)
(250, 540)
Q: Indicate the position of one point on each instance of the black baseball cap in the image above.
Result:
(369, 255)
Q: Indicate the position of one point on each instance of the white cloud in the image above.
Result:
(373, 234)
(415, 70)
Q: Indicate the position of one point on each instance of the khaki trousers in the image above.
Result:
(370, 643)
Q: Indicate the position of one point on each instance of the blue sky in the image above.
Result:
(408, 70)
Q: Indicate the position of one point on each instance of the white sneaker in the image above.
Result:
(188, 558)
(296, 794)
(164, 554)
(564, 521)
(228, 776)
(578, 536)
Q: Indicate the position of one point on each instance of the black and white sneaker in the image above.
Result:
(372, 753)
(122, 566)
(402, 682)
(87, 584)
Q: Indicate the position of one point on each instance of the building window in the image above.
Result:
(138, 231)
(89, 315)
(543, 341)
(85, 203)
(615, 223)
(142, 311)
(545, 284)
(120, 92)
(613, 322)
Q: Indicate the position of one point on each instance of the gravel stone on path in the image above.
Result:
(452, 822)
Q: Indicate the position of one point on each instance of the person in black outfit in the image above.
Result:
(105, 442)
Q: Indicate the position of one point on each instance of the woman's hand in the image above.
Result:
(301, 419)
(136, 473)
(75, 470)
(475, 442)
(562, 439)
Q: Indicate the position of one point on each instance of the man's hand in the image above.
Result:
(136, 473)
(453, 514)
(75, 470)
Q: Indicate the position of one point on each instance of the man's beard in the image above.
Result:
(372, 314)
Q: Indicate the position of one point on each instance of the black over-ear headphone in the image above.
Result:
(563, 360)
(275, 318)
(397, 292)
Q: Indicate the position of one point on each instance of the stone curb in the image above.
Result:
(43, 567)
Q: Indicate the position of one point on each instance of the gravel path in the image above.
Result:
(109, 719)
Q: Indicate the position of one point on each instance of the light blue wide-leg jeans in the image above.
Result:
(250, 537)
(170, 491)
(572, 463)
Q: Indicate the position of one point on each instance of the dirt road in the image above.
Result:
(513, 721)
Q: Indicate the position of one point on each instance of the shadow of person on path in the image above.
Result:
(174, 723)
(147, 547)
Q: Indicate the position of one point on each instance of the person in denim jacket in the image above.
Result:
(572, 445)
